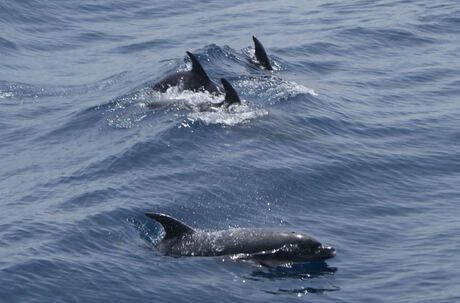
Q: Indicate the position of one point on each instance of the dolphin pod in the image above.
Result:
(197, 80)
(265, 246)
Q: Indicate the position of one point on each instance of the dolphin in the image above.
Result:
(231, 97)
(195, 80)
(267, 247)
(261, 55)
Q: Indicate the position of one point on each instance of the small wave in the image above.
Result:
(23, 90)
(141, 46)
(375, 38)
(149, 232)
(272, 88)
(6, 45)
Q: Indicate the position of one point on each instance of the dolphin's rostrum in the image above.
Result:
(268, 247)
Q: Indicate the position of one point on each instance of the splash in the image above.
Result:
(4, 95)
(191, 98)
(190, 107)
(239, 114)
(194, 102)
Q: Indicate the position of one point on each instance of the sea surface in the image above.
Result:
(352, 139)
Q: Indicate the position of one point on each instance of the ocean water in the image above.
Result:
(353, 139)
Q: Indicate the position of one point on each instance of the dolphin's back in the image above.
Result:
(195, 80)
(236, 241)
(170, 81)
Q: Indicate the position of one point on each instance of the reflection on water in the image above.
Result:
(302, 291)
(294, 271)
(303, 272)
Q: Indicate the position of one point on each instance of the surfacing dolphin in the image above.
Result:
(267, 247)
(231, 97)
(195, 79)
(261, 55)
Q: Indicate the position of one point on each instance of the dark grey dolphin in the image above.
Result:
(231, 97)
(194, 80)
(267, 247)
(261, 55)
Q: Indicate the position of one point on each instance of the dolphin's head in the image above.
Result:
(319, 253)
(300, 249)
(308, 249)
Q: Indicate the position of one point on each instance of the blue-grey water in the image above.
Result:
(353, 139)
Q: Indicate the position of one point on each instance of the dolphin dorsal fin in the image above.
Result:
(261, 55)
(172, 227)
(231, 97)
(196, 67)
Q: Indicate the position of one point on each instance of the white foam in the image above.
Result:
(191, 97)
(4, 95)
(192, 102)
(236, 114)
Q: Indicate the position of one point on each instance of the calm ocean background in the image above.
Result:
(353, 139)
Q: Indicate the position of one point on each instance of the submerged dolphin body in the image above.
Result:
(261, 55)
(268, 247)
(231, 98)
(195, 79)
